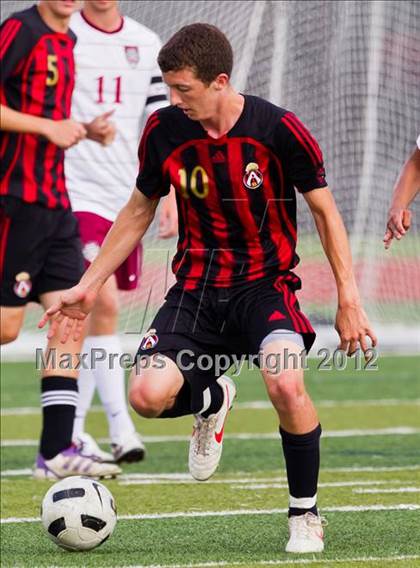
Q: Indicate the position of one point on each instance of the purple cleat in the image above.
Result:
(72, 462)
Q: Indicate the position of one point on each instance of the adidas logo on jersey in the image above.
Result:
(218, 157)
(276, 315)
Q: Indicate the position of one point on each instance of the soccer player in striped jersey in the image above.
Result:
(235, 162)
(117, 72)
(405, 191)
(39, 243)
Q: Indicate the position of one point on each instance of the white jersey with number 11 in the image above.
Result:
(114, 71)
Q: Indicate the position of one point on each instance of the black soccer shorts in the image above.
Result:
(40, 251)
(221, 322)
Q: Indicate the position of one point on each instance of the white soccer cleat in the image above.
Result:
(207, 437)
(90, 449)
(72, 462)
(306, 533)
(129, 448)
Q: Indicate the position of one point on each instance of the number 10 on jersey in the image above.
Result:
(192, 185)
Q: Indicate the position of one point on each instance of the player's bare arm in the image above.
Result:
(406, 189)
(352, 323)
(63, 133)
(76, 303)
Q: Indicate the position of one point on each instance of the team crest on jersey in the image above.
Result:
(253, 177)
(149, 340)
(132, 55)
(23, 284)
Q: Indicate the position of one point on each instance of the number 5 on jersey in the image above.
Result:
(52, 76)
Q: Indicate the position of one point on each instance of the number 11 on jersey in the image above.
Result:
(117, 92)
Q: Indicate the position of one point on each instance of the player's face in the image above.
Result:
(198, 100)
(61, 8)
(101, 5)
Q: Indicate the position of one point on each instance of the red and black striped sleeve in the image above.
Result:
(300, 154)
(16, 43)
(151, 180)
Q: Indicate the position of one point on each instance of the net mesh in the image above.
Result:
(351, 72)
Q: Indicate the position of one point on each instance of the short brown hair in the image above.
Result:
(202, 47)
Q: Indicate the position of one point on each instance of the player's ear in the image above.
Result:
(221, 81)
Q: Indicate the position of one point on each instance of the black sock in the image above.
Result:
(217, 397)
(185, 403)
(58, 400)
(301, 452)
(182, 405)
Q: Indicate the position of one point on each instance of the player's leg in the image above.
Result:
(96, 349)
(86, 387)
(58, 457)
(168, 381)
(110, 377)
(155, 387)
(92, 230)
(59, 392)
(62, 268)
(11, 321)
(160, 390)
(300, 433)
(277, 331)
(106, 373)
(17, 268)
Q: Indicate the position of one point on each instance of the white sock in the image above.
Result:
(109, 378)
(86, 385)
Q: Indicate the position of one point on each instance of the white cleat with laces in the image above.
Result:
(129, 448)
(207, 437)
(306, 533)
(90, 449)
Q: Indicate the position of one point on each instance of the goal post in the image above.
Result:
(351, 72)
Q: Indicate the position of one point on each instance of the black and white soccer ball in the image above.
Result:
(78, 513)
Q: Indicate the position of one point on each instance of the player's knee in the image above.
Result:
(105, 314)
(145, 400)
(9, 331)
(286, 393)
(107, 304)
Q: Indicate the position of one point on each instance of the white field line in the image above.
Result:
(396, 431)
(238, 512)
(298, 561)
(263, 404)
(393, 490)
(186, 476)
(370, 469)
(250, 483)
(256, 486)
(253, 405)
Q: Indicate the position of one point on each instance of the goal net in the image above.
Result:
(351, 72)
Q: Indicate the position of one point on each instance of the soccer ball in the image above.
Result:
(78, 513)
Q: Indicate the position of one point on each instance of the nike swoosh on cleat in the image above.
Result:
(219, 435)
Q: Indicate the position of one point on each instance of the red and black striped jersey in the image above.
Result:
(37, 77)
(236, 194)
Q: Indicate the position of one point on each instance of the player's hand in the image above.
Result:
(399, 221)
(102, 130)
(354, 328)
(168, 219)
(65, 133)
(72, 309)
